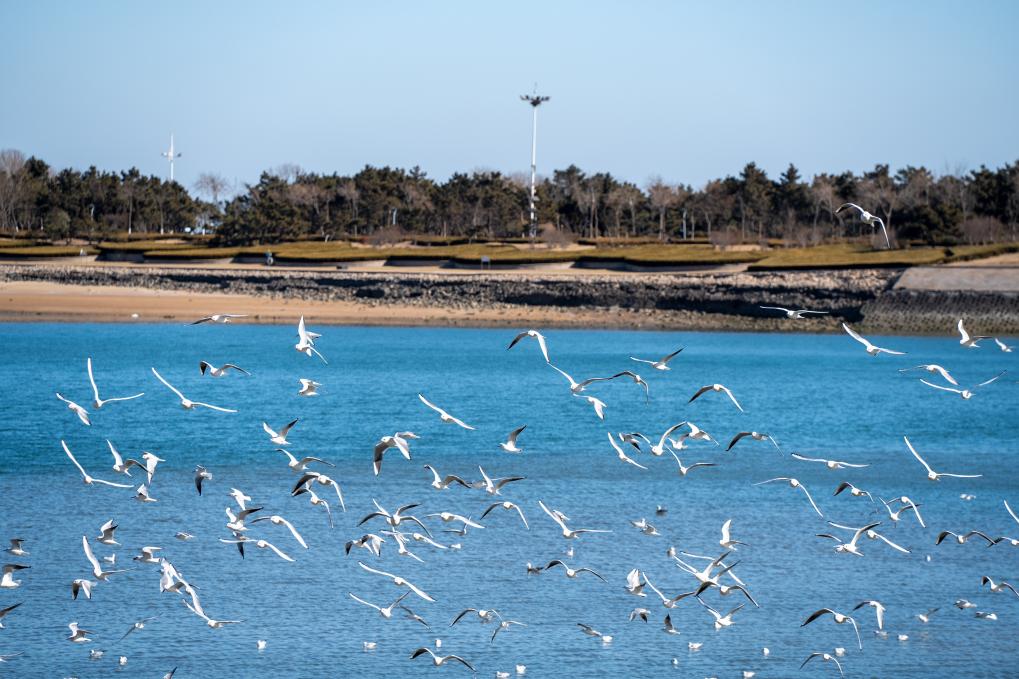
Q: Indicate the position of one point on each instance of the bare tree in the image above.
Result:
(288, 172)
(212, 185)
(11, 187)
(662, 197)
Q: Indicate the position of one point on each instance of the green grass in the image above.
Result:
(15, 243)
(194, 253)
(675, 255)
(847, 256)
(965, 253)
(46, 251)
(141, 246)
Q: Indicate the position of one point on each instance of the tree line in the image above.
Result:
(288, 203)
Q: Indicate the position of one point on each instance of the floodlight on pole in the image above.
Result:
(535, 101)
(170, 155)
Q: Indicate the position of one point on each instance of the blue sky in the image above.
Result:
(682, 90)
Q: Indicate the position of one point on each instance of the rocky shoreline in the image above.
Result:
(722, 300)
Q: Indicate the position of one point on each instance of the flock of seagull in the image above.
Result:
(411, 534)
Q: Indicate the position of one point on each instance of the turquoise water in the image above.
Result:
(820, 396)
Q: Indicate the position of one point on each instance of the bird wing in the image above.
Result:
(541, 343)
(666, 359)
(938, 386)
(817, 614)
(917, 455)
(668, 433)
(464, 611)
(96, 568)
(944, 373)
(516, 339)
(111, 483)
(553, 515)
(460, 422)
(736, 439)
(293, 531)
(432, 405)
(845, 205)
(287, 428)
(861, 531)
(642, 360)
(276, 549)
(1010, 512)
(572, 382)
(76, 464)
(377, 572)
(212, 407)
(522, 517)
(117, 459)
(732, 398)
(890, 352)
(699, 392)
(892, 544)
(168, 385)
(812, 503)
(514, 434)
(962, 331)
(797, 456)
(992, 379)
(235, 367)
(91, 379)
(852, 333)
(725, 530)
(418, 591)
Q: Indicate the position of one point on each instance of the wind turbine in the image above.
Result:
(170, 155)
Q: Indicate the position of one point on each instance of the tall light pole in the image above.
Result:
(535, 101)
(170, 155)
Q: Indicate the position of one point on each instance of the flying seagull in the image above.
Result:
(966, 394)
(279, 438)
(933, 475)
(100, 402)
(716, 388)
(757, 436)
(966, 340)
(206, 367)
(871, 349)
(439, 660)
(839, 618)
(443, 415)
(510, 445)
(84, 475)
(794, 483)
(867, 218)
(660, 364)
(796, 314)
(219, 318)
(77, 410)
(187, 403)
(934, 369)
(533, 334)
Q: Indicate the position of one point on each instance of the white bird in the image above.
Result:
(505, 625)
(966, 340)
(727, 542)
(962, 604)
(119, 465)
(839, 618)
(667, 625)
(658, 449)
(184, 536)
(8, 581)
(309, 477)
(485, 615)
(399, 440)
(872, 349)
(599, 405)
(78, 635)
(444, 482)
(236, 521)
(793, 483)
(683, 471)
(439, 660)
(278, 520)
(1001, 345)
(260, 645)
(83, 586)
(826, 657)
(369, 541)
(879, 611)
(872, 535)
(306, 341)
(757, 436)
(795, 314)
(97, 571)
(537, 336)
(187, 403)
(308, 387)
(592, 632)
(997, 587)
(622, 455)
(510, 445)
(219, 318)
(443, 415)
(571, 572)
(660, 364)
(137, 626)
(849, 547)
(280, 438)
(633, 584)
(721, 620)
(398, 581)
(142, 494)
(316, 501)
(17, 545)
(396, 518)
(933, 475)
(492, 486)
(966, 394)
(206, 367)
(696, 433)
(301, 465)
(985, 616)
(151, 461)
(240, 498)
(84, 475)
(508, 506)
(867, 218)
(260, 544)
(77, 410)
(961, 539)
(148, 555)
(448, 517)
(100, 402)
(577, 387)
(830, 464)
(214, 624)
(568, 533)
(385, 612)
(716, 388)
(926, 616)
(907, 505)
(201, 475)
(10, 656)
(934, 369)
(853, 490)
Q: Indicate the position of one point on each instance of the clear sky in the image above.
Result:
(682, 90)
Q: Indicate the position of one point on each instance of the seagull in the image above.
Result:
(139, 625)
(236, 521)
(933, 369)
(961, 539)
(82, 585)
(908, 505)
(933, 475)
(85, 477)
(386, 612)
(308, 387)
(721, 620)
(201, 474)
(871, 349)
(966, 394)
(485, 616)
(187, 403)
(214, 624)
(150, 464)
(240, 498)
(399, 440)
(106, 534)
(5, 611)
(8, 581)
(306, 341)
(398, 581)
(826, 657)
(636, 380)
(206, 367)
(962, 604)
(442, 483)
(219, 318)
(493, 486)
(793, 483)
(17, 545)
(411, 615)
(99, 402)
(508, 506)
(633, 584)
(727, 542)
(571, 572)
(148, 555)
(119, 465)
(716, 388)
(280, 438)
(667, 602)
(505, 625)
(641, 613)
(599, 405)
(444, 416)
(369, 541)
(304, 483)
(261, 544)
(966, 340)
(872, 535)
(592, 632)
(853, 490)
(396, 518)
(830, 464)
(9, 656)
(757, 436)
(667, 625)
(985, 616)
(439, 660)
(839, 619)
(1001, 345)
(447, 517)
(623, 456)
(926, 617)
(535, 335)
(658, 449)
(278, 520)
(568, 533)
(577, 387)
(795, 314)
(849, 547)
(142, 495)
(696, 433)
(302, 464)
(510, 445)
(879, 610)
(182, 535)
(97, 571)
(867, 218)
(77, 410)
(660, 364)
(998, 587)
(78, 635)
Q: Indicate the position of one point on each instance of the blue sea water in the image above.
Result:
(820, 396)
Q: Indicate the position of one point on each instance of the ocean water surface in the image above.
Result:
(820, 396)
